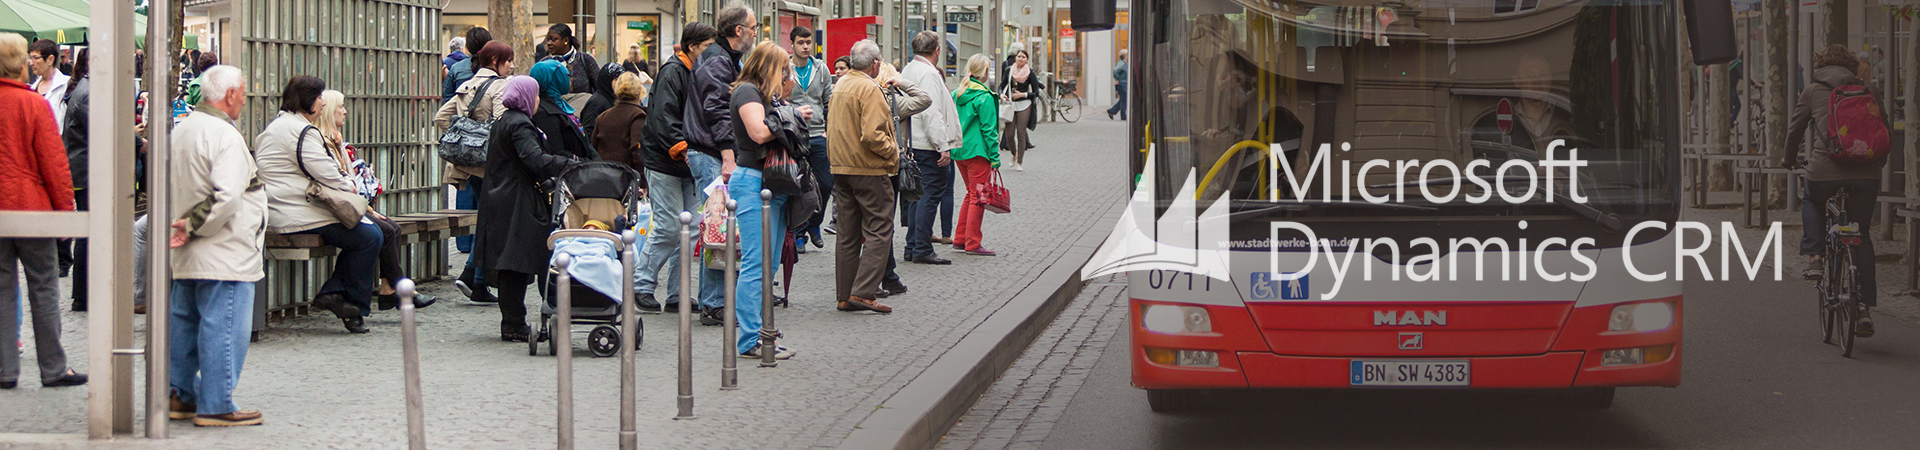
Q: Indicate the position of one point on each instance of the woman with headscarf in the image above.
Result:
(514, 226)
(1020, 85)
(555, 117)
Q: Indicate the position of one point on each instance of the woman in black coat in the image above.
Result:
(513, 233)
(555, 117)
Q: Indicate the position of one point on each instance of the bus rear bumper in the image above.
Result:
(1551, 370)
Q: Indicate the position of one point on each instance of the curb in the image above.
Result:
(922, 412)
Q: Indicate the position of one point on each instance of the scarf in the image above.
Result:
(1020, 73)
(523, 94)
(554, 82)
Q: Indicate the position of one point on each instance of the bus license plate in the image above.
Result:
(1410, 373)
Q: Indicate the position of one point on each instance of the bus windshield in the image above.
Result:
(1223, 83)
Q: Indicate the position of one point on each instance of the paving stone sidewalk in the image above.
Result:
(323, 388)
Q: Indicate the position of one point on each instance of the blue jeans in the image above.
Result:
(938, 196)
(353, 270)
(668, 195)
(712, 281)
(211, 321)
(463, 199)
(744, 188)
(1860, 204)
(822, 175)
(1120, 106)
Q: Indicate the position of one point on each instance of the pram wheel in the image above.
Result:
(604, 341)
(537, 334)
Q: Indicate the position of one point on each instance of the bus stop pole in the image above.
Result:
(159, 256)
(686, 322)
(562, 340)
(729, 372)
(629, 339)
(410, 349)
(767, 332)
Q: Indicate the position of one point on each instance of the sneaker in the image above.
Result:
(711, 317)
(829, 229)
(464, 290)
(1865, 329)
(70, 378)
(178, 410)
(232, 419)
(781, 352)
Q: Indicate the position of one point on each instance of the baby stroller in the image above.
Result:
(606, 195)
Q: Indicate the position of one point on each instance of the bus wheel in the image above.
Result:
(1592, 398)
(1173, 400)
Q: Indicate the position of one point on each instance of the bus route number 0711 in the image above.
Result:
(1174, 279)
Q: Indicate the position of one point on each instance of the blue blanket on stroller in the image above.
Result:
(595, 263)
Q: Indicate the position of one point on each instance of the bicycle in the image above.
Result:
(1062, 101)
(1839, 286)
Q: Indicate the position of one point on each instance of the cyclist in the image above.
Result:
(1833, 67)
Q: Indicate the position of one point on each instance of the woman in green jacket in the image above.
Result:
(979, 155)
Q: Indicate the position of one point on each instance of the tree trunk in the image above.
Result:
(1912, 136)
(1720, 177)
(1778, 91)
(1836, 22)
(510, 21)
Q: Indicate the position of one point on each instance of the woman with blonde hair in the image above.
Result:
(330, 119)
(979, 154)
(760, 88)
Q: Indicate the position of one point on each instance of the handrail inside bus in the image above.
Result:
(1224, 157)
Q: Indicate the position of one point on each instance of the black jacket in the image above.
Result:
(709, 121)
(514, 226)
(664, 128)
(580, 71)
(75, 133)
(562, 137)
(1032, 88)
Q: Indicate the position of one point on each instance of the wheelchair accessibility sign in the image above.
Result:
(1265, 287)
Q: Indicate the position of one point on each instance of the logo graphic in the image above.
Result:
(1293, 289)
(1409, 317)
(1264, 287)
(1412, 341)
(1179, 240)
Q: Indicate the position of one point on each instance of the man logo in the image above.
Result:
(1413, 341)
(1410, 318)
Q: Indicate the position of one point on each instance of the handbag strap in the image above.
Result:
(299, 150)
(478, 95)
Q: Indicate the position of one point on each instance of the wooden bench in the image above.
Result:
(293, 277)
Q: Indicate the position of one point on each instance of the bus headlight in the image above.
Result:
(1641, 317)
(1176, 319)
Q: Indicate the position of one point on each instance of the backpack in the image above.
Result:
(1856, 126)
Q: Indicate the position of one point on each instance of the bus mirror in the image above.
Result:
(1710, 27)
(1094, 15)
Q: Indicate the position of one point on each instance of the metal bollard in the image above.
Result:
(686, 317)
(410, 349)
(562, 335)
(629, 339)
(729, 373)
(767, 331)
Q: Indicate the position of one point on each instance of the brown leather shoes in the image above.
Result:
(868, 304)
(233, 419)
(178, 410)
(844, 306)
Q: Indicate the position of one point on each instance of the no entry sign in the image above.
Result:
(1504, 115)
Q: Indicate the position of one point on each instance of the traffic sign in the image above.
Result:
(1504, 115)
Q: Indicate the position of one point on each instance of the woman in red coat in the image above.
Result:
(33, 177)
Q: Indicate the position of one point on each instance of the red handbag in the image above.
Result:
(994, 195)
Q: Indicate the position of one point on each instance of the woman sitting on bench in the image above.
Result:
(331, 118)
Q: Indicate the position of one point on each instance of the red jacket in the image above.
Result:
(33, 161)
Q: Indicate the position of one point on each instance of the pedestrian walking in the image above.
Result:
(709, 124)
(292, 156)
(218, 216)
(979, 111)
(518, 216)
(1119, 88)
(750, 104)
(936, 134)
(860, 138)
(1832, 69)
(495, 60)
(670, 181)
(813, 87)
(1020, 86)
(38, 180)
(616, 134)
(555, 117)
(329, 120)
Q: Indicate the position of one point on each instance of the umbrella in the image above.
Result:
(78, 35)
(36, 18)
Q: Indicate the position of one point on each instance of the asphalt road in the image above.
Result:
(1756, 376)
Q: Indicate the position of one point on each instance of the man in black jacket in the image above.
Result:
(709, 123)
(670, 180)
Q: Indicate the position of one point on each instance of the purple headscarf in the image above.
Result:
(522, 94)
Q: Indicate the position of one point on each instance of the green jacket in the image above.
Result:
(979, 113)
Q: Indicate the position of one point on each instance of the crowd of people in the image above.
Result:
(727, 114)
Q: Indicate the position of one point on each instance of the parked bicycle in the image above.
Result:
(1062, 101)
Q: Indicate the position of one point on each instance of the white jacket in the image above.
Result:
(217, 189)
(57, 99)
(938, 127)
(287, 184)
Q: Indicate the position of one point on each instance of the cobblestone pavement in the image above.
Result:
(1020, 410)
(323, 388)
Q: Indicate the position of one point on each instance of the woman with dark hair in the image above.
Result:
(292, 155)
(563, 47)
(74, 134)
(555, 117)
(514, 226)
(1833, 69)
(1021, 85)
(495, 60)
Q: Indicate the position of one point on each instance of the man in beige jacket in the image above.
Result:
(860, 142)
